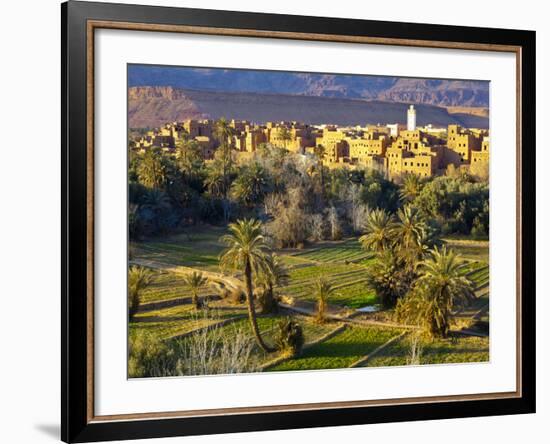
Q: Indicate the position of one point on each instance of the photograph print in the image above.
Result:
(287, 221)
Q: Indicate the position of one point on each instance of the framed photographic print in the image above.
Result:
(276, 221)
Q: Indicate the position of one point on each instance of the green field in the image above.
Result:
(440, 351)
(345, 251)
(178, 320)
(200, 249)
(340, 351)
(344, 264)
(475, 250)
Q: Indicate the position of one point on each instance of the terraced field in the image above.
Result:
(267, 324)
(345, 251)
(347, 280)
(165, 286)
(201, 249)
(178, 320)
(456, 349)
(340, 351)
(475, 251)
(343, 263)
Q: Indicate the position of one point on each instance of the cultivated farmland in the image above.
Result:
(167, 314)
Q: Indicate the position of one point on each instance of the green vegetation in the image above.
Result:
(339, 351)
(139, 278)
(440, 289)
(195, 281)
(289, 337)
(322, 290)
(267, 245)
(455, 349)
(247, 252)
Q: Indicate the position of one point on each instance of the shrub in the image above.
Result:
(289, 337)
(215, 351)
(148, 356)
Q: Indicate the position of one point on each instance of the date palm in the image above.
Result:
(189, 158)
(379, 228)
(320, 152)
(195, 281)
(223, 132)
(285, 135)
(139, 278)
(274, 275)
(410, 188)
(409, 229)
(215, 180)
(387, 277)
(151, 170)
(440, 289)
(248, 252)
(322, 290)
(251, 185)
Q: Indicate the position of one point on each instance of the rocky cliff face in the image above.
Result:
(156, 92)
(438, 92)
(154, 106)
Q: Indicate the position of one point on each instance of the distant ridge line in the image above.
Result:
(153, 106)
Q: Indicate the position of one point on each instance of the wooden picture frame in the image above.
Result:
(79, 22)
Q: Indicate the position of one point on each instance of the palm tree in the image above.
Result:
(387, 278)
(157, 201)
(379, 228)
(440, 289)
(322, 290)
(285, 135)
(274, 275)
(189, 156)
(224, 133)
(410, 232)
(215, 180)
(320, 152)
(139, 278)
(248, 252)
(151, 170)
(134, 221)
(196, 281)
(251, 185)
(410, 188)
(410, 228)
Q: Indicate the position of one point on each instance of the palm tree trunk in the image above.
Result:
(195, 300)
(252, 311)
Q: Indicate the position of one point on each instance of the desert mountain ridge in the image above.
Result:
(153, 106)
(442, 92)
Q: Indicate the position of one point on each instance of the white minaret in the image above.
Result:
(411, 118)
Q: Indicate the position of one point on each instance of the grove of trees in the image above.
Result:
(274, 198)
(297, 199)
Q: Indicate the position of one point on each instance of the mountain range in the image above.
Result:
(440, 92)
(152, 106)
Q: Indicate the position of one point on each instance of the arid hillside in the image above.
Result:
(154, 106)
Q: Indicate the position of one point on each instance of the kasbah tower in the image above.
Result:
(411, 118)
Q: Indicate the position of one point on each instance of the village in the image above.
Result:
(393, 149)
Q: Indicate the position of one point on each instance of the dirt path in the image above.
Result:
(343, 316)
(229, 281)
